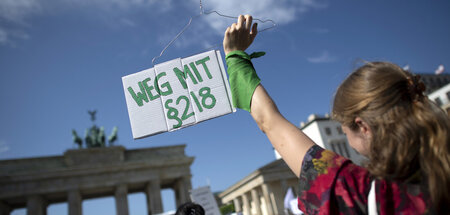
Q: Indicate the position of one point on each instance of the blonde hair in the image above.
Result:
(410, 134)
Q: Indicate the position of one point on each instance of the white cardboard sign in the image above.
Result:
(204, 197)
(177, 93)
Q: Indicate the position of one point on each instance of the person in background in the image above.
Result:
(190, 208)
(385, 116)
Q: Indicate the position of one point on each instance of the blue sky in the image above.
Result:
(59, 59)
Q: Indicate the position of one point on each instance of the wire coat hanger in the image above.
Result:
(207, 13)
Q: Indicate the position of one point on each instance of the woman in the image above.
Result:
(385, 116)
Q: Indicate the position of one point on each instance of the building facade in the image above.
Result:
(34, 183)
(442, 97)
(262, 192)
(328, 134)
(434, 82)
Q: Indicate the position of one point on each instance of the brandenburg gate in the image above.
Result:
(34, 183)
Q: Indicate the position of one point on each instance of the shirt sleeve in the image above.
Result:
(332, 184)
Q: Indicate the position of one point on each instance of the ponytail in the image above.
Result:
(435, 153)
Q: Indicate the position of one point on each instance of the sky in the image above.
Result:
(61, 58)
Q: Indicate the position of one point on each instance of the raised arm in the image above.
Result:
(286, 138)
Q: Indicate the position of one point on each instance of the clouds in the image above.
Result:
(15, 15)
(320, 30)
(281, 11)
(3, 147)
(127, 22)
(208, 27)
(3, 36)
(8, 34)
(17, 10)
(324, 57)
(122, 5)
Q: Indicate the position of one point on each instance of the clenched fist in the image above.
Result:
(240, 35)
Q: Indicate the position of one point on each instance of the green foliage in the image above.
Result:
(227, 209)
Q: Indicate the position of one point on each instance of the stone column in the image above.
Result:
(36, 205)
(187, 182)
(121, 196)
(5, 209)
(153, 193)
(237, 205)
(284, 186)
(255, 199)
(246, 203)
(179, 193)
(279, 192)
(182, 187)
(266, 193)
(74, 202)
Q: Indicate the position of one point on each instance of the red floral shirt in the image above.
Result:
(332, 184)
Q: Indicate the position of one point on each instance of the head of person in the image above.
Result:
(387, 118)
(190, 208)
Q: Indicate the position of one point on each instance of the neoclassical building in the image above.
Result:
(262, 192)
(34, 183)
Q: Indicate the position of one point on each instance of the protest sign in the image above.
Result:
(204, 197)
(177, 93)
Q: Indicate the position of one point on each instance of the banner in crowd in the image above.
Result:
(204, 197)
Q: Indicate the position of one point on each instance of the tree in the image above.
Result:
(227, 209)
